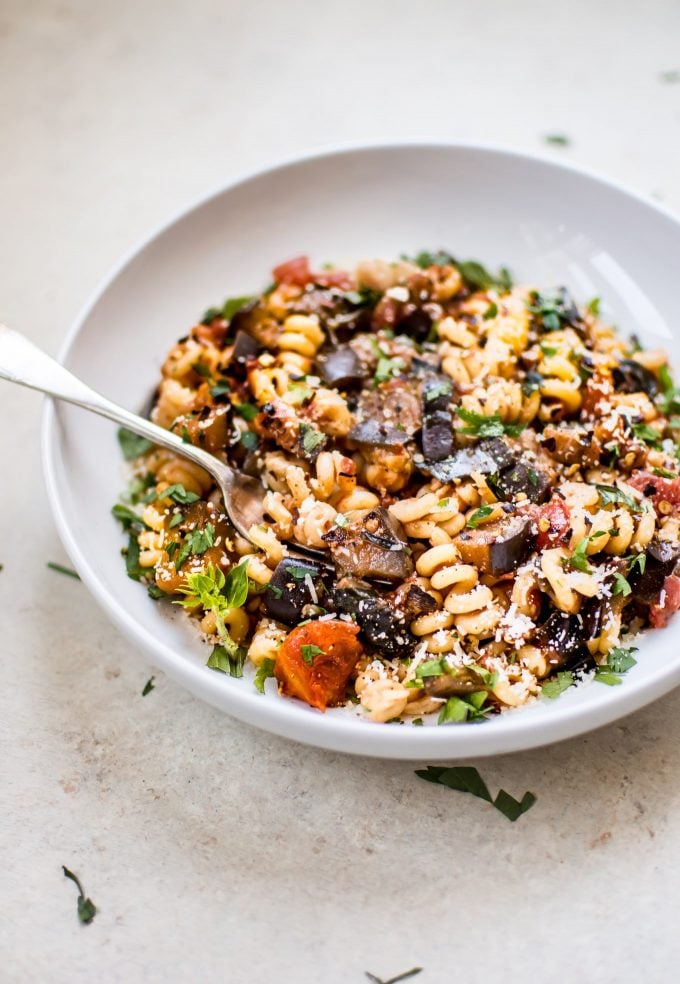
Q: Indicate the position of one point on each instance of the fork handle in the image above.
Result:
(24, 363)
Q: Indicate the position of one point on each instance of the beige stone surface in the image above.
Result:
(216, 852)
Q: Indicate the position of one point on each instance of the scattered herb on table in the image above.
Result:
(149, 686)
(670, 77)
(393, 980)
(466, 779)
(557, 139)
(60, 569)
(87, 910)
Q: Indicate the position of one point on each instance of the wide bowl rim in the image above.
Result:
(511, 732)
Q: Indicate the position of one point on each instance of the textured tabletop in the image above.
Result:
(215, 852)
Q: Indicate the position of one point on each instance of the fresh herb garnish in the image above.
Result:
(439, 388)
(128, 517)
(481, 425)
(557, 684)
(619, 661)
(669, 399)
(466, 779)
(425, 259)
(220, 388)
(593, 306)
(132, 445)
(557, 139)
(87, 910)
(202, 370)
(387, 368)
(310, 438)
(234, 304)
(647, 434)
(298, 393)
(155, 592)
(131, 553)
(149, 686)
(478, 516)
(553, 310)
(364, 297)
(670, 77)
(298, 573)
(235, 588)
(176, 520)
(611, 495)
(578, 557)
(477, 277)
(309, 652)
(490, 312)
(400, 977)
(246, 410)
(249, 440)
(60, 569)
(196, 542)
(664, 473)
(177, 493)
(264, 671)
(621, 586)
(468, 708)
(431, 668)
(227, 661)
(639, 561)
(275, 590)
(548, 350)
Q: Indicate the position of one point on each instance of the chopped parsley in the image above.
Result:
(478, 516)
(578, 559)
(310, 438)
(477, 277)
(639, 561)
(482, 425)
(234, 304)
(148, 686)
(557, 139)
(466, 779)
(557, 684)
(387, 369)
(553, 310)
(176, 520)
(218, 594)
(196, 542)
(440, 388)
(431, 668)
(228, 661)
(619, 661)
(647, 434)
(177, 493)
(593, 306)
(309, 652)
(664, 473)
(468, 708)
(128, 518)
(611, 495)
(548, 350)
(246, 410)
(393, 980)
(131, 553)
(249, 440)
(62, 570)
(621, 586)
(220, 388)
(264, 671)
(364, 297)
(132, 445)
(490, 312)
(669, 400)
(87, 910)
(202, 370)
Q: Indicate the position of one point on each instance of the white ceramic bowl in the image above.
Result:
(549, 223)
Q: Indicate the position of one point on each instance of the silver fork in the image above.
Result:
(24, 363)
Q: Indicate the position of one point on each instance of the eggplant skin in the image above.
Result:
(496, 548)
(488, 456)
(384, 619)
(288, 592)
(521, 477)
(662, 559)
(562, 637)
(632, 377)
(341, 368)
(374, 546)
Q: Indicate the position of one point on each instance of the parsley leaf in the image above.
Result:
(490, 312)
(648, 435)
(478, 516)
(62, 570)
(483, 425)
(425, 259)
(610, 495)
(217, 594)
(235, 589)
(430, 668)
(148, 686)
(557, 684)
(87, 910)
(557, 139)
(202, 370)
(466, 779)
(177, 493)
(387, 368)
(310, 438)
(669, 400)
(131, 553)
(477, 277)
(132, 445)
(246, 410)
(593, 306)
(309, 652)
(468, 708)
(220, 388)
(128, 517)
(227, 660)
(393, 980)
(578, 558)
(234, 304)
(619, 661)
(264, 671)
(621, 586)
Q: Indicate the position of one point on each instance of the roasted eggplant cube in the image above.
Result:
(562, 638)
(245, 348)
(374, 547)
(523, 478)
(662, 557)
(384, 619)
(631, 377)
(496, 548)
(487, 457)
(437, 435)
(289, 592)
(341, 368)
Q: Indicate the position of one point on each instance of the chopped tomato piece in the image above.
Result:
(556, 514)
(298, 272)
(316, 660)
(295, 271)
(657, 488)
(669, 602)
